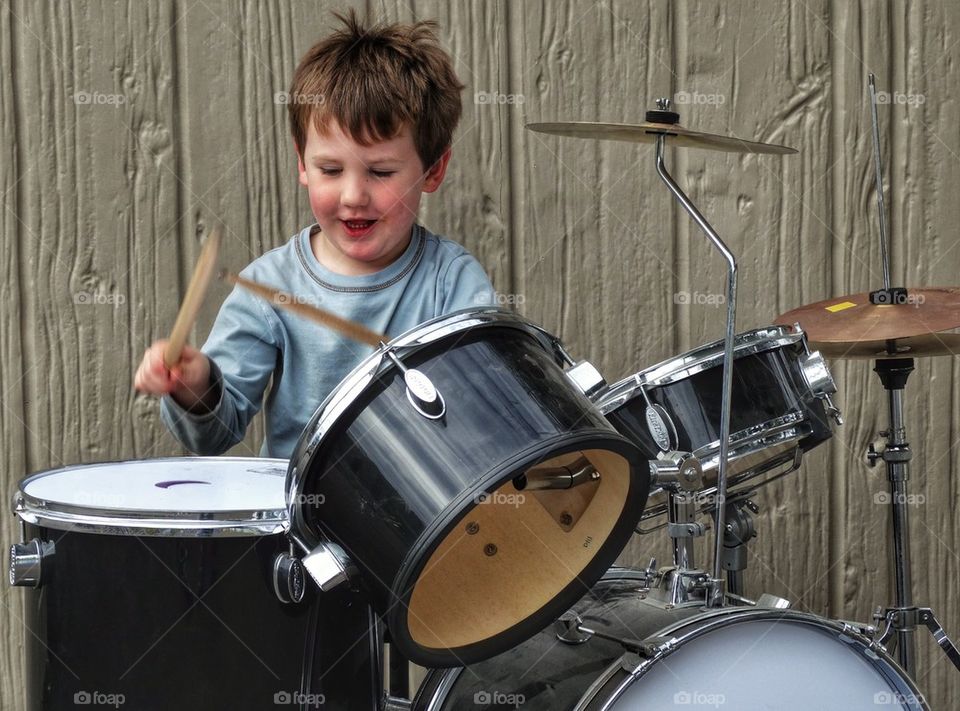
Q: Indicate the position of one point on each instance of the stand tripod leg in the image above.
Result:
(936, 629)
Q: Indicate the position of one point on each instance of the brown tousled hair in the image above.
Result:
(375, 80)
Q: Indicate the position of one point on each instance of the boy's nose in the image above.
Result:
(354, 193)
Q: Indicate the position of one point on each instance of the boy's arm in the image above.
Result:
(243, 348)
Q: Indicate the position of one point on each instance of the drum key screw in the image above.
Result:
(473, 527)
(490, 549)
(565, 519)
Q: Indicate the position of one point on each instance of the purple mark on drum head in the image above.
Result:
(177, 482)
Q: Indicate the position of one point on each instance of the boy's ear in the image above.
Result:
(301, 171)
(437, 171)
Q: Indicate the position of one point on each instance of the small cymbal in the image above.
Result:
(648, 132)
(852, 327)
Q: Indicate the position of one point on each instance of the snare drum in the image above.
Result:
(477, 517)
(151, 585)
(651, 656)
(779, 407)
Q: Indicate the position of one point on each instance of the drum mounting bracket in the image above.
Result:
(897, 619)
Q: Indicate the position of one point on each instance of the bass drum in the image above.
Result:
(652, 657)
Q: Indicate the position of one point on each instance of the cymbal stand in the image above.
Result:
(665, 115)
(897, 454)
(900, 621)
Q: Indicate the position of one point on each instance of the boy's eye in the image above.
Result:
(330, 171)
(382, 173)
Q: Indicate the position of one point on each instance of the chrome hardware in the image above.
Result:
(27, 562)
(650, 574)
(329, 566)
(894, 620)
(676, 471)
(820, 381)
(686, 530)
(395, 703)
(817, 375)
(580, 472)
(832, 409)
(682, 587)
(773, 602)
(569, 629)
(586, 378)
(288, 581)
(421, 392)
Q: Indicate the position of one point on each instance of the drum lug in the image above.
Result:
(27, 563)
(820, 381)
(586, 378)
(288, 580)
(329, 566)
(832, 409)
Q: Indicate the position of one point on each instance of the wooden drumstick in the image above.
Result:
(192, 300)
(351, 329)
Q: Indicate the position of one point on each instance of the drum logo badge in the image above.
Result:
(661, 427)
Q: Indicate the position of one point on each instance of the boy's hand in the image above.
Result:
(188, 382)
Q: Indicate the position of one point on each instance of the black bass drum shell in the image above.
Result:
(156, 592)
(188, 623)
(460, 562)
(694, 668)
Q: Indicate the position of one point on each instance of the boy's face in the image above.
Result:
(364, 198)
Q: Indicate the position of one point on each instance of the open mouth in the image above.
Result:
(358, 228)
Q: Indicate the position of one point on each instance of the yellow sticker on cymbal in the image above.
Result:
(841, 306)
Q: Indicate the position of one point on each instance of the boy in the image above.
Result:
(372, 111)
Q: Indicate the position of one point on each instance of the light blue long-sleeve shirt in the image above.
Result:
(252, 340)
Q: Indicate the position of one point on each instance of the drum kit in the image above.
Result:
(463, 494)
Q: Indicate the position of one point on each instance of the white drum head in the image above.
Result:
(193, 495)
(770, 665)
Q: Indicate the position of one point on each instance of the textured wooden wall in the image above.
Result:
(128, 128)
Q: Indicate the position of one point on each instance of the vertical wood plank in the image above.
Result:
(13, 364)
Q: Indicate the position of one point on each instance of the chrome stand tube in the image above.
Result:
(682, 512)
(896, 455)
(717, 597)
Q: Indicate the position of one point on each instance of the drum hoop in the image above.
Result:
(146, 522)
(696, 361)
(748, 440)
(377, 364)
(457, 507)
(636, 666)
(448, 679)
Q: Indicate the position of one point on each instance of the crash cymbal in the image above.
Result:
(852, 327)
(647, 133)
